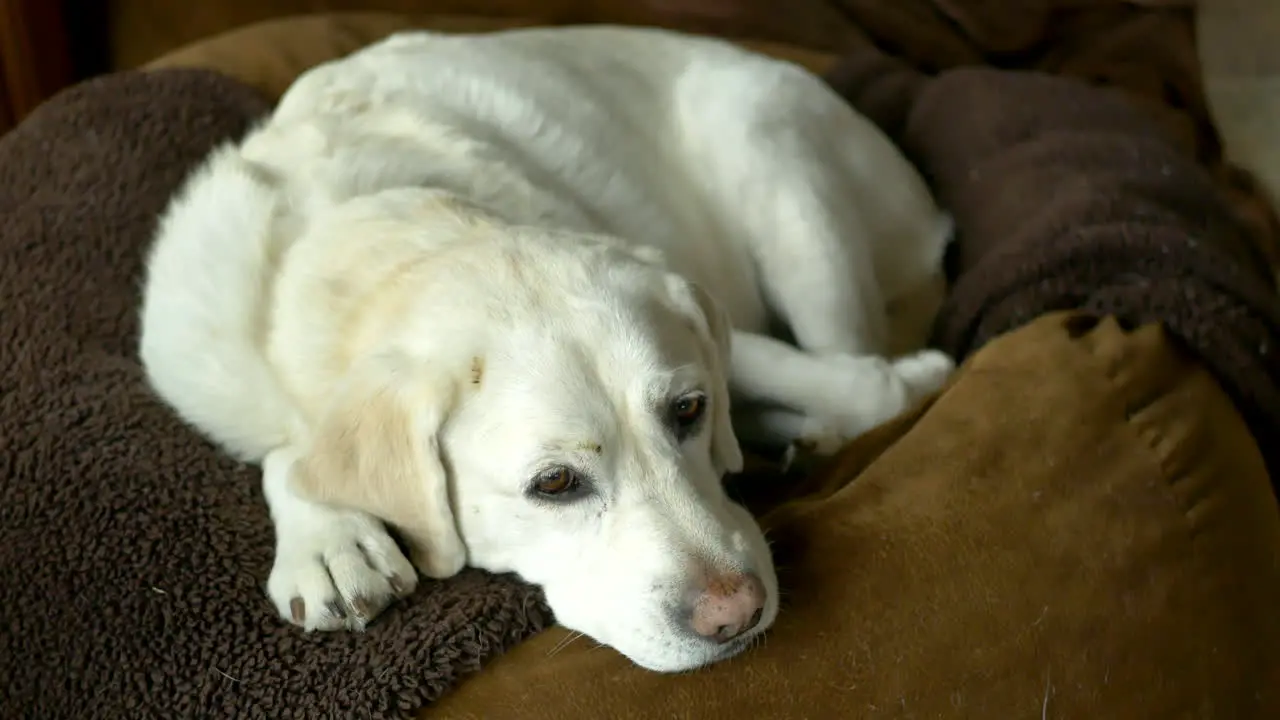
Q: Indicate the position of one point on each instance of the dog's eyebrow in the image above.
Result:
(673, 383)
(682, 369)
(575, 447)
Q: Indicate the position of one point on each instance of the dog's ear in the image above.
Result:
(715, 333)
(376, 449)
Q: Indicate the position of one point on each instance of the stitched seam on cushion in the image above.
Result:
(1132, 401)
(1178, 467)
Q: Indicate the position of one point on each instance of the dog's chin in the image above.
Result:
(658, 646)
(688, 656)
(677, 655)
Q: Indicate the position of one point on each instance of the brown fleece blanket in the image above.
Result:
(132, 554)
(1071, 197)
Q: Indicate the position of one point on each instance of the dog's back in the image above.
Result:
(355, 127)
(669, 141)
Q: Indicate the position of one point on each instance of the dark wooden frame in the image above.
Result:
(34, 56)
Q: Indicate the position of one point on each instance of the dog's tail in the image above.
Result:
(205, 300)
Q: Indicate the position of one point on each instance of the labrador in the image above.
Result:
(493, 293)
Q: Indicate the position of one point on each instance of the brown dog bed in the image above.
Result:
(1081, 526)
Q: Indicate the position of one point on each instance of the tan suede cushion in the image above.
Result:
(269, 55)
(1080, 527)
(141, 30)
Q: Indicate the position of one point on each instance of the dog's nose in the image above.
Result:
(729, 606)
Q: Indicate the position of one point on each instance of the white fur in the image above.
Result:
(448, 262)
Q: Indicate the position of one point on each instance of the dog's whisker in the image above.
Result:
(564, 643)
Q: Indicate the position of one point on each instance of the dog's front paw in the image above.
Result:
(336, 569)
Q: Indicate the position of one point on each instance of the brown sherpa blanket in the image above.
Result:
(132, 554)
(1071, 197)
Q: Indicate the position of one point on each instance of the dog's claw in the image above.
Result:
(334, 571)
(398, 585)
(363, 609)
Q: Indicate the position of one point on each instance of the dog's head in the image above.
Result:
(558, 407)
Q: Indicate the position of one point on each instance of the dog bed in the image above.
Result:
(1080, 526)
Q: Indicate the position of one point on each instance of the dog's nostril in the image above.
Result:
(725, 633)
(728, 607)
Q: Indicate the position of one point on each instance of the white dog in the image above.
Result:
(483, 288)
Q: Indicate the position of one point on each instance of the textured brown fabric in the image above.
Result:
(1079, 527)
(1145, 48)
(1068, 196)
(133, 554)
(270, 55)
(142, 30)
(1066, 213)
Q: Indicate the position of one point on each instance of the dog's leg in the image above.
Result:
(785, 160)
(838, 377)
(333, 568)
(787, 394)
(817, 196)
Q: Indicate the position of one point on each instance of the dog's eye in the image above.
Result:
(557, 481)
(688, 410)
